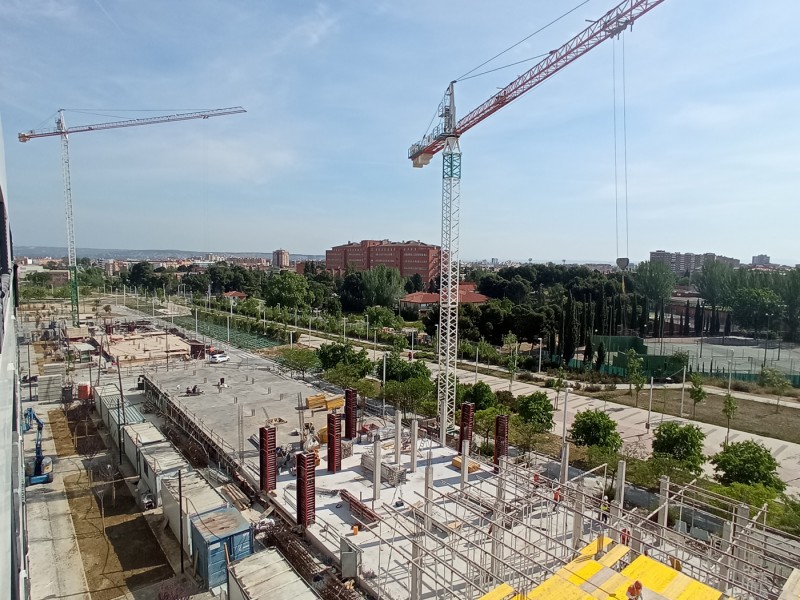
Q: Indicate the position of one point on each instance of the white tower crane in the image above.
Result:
(62, 131)
(445, 137)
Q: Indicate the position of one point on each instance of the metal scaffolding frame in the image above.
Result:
(467, 538)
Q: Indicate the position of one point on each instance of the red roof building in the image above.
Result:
(425, 301)
(235, 295)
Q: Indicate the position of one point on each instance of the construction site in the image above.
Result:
(256, 484)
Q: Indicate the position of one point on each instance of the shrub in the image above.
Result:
(595, 428)
(747, 462)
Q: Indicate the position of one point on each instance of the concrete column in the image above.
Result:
(414, 434)
(464, 463)
(619, 499)
(741, 517)
(376, 473)
(577, 518)
(428, 496)
(564, 463)
(498, 516)
(416, 572)
(725, 563)
(398, 437)
(663, 492)
(636, 540)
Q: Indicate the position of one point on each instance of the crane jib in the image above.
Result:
(612, 24)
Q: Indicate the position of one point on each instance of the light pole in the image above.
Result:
(564, 445)
(664, 403)
(540, 355)
(766, 339)
(650, 405)
(477, 348)
(683, 388)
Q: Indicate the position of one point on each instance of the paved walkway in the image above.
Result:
(56, 569)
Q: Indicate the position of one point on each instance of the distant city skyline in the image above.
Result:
(336, 93)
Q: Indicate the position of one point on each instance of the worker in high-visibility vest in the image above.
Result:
(604, 510)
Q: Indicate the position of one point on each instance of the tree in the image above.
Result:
(752, 305)
(405, 395)
(601, 356)
(400, 369)
(636, 377)
(107, 308)
(683, 443)
(298, 359)
(536, 409)
(38, 279)
(729, 408)
(588, 354)
(655, 281)
(696, 392)
(343, 376)
(481, 395)
(747, 462)
(510, 341)
(595, 428)
(570, 332)
(776, 381)
(331, 355)
(484, 421)
(287, 289)
(713, 284)
(523, 435)
(382, 286)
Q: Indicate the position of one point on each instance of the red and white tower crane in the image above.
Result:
(445, 137)
(63, 132)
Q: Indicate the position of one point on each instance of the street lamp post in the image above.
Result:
(683, 388)
(477, 347)
(650, 405)
(766, 339)
(564, 444)
(540, 355)
(664, 403)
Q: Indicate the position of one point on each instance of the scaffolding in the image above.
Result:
(521, 528)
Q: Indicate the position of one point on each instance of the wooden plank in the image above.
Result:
(472, 466)
(614, 555)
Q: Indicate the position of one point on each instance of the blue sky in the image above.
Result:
(337, 91)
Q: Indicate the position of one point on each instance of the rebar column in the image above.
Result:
(414, 434)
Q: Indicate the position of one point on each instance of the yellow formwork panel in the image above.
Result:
(579, 571)
(614, 587)
(695, 590)
(501, 592)
(651, 573)
(555, 587)
(591, 547)
(613, 556)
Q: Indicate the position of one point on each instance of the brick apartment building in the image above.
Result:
(408, 257)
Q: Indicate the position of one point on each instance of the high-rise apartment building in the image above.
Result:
(280, 259)
(761, 260)
(409, 258)
(683, 262)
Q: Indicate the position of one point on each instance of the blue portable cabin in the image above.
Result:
(213, 534)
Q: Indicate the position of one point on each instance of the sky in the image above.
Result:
(336, 92)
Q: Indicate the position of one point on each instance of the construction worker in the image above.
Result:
(604, 510)
(635, 591)
(556, 497)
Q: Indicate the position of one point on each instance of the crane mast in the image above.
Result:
(445, 138)
(63, 132)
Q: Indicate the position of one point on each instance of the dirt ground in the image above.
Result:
(74, 436)
(123, 557)
(753, 417)
(127, 556)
